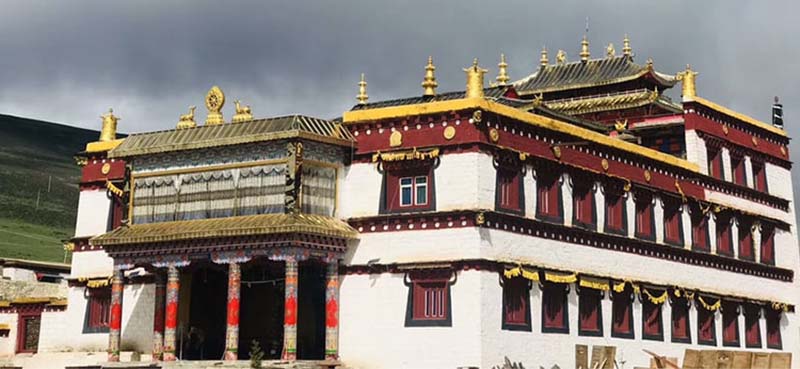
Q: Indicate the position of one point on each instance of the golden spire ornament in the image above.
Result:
(584, 49)
(362, 91)
(474, 80)
(429, 83)
(215, 100)
(502, 74)
(108, 132)
(543, 61)
(187, 120)
(626, 47)
(561, 57)
(243, 113)
(687, 78)
(610, 52)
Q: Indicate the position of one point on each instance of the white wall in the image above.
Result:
(93, 207)
(8, 345)
(91, 264)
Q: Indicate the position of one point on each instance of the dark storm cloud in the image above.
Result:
(70, 61)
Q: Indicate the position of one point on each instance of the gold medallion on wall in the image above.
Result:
(604, 164)
(494, 135)
(105, 168)
(647, 176)
(449, 133)
(396, 139)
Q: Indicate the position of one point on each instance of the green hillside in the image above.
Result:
(37, 167)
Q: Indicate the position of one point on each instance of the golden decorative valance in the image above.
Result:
(413, 154)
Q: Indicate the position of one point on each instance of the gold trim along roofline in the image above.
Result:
(355, 116)
(736, 115)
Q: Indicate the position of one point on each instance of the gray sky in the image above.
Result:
(69, 61)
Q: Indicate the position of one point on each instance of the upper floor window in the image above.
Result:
(555, 318)
(429, 299)
(759, 176)
(509, 195)
(724, 238)
(318, 190)
(680, 320)
(516, 306)
(414, 191)
(715, 170)
(673, 221)
(752, 328)
(407, 189)
(590, 312)
(548, 196)
(622, 313)
(730, 324)
(583, 206)
(98, 310)
(768, 243)
(706, 327)
(645, 222)
(739, 177)
(746, 239)
(700, 234)
(773, 319)
(652, 324)
(616, 220)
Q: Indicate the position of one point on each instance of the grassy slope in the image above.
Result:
(33, 153)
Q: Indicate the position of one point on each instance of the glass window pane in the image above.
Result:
(405, 196)
(422, 194)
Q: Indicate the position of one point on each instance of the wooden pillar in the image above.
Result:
(290, 311)
(115, 322)
(158, 316)
(171, 313)
(332, 311)
(232, 331)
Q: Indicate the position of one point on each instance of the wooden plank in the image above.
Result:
(691, 359)
(708, 359)
(581, 357)
(760, 360)
(742, 359)
(611, 357)
(598, 353)
(780, 360)
(724, 359)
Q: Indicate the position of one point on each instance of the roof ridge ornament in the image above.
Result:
(687, 78)
(362, 91)
(243, 113)
(108, 132)
(215, 100)
(626, 47)
(543, 61)
(561, 57)
(585, 49)
(429, 83)
(474, 80)
(187, 120)
(610, 52)
(502, 75)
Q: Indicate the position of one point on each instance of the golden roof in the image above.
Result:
(250, 225)
(619, 101)
(739, 116)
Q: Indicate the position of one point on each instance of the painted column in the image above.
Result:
(290, 311)
(171, 313)
(115, 323)
(332, 311)
(158, 316)
(232, 331)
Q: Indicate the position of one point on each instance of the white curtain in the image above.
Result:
(261, 189)
(154, 200)
(318, 193)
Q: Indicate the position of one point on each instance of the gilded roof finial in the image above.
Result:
(474, 80)
(584, 49)
(362, 91)
(626, 47)
(215, 100)
(610, 52)
(687, 78)
(502, 75)
(187, 120)
(243, 113)
(108, 132)
(543, 61)
(429, 83)
(561, 57)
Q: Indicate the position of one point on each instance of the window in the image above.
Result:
(645, 223)
(548, 197)
(737, 163)
(673, 222)
(429, 299)
(516, 306)
(773, 319)
(652, 324)
(700, 237)
(590, 312)
(115, 213)
(583, 209)
(554, 308)
(622, 313)
(724, 239)
(746, 240)
(730, 324)
(616, 219)
(752, 328)
(706, 331)
(680, 320)
(509, 194)
(768, 243)
(98, 310)
(407, 189)
(715, 163)
(759, 177)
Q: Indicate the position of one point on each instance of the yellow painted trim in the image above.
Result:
(130, 198)
(5, 327)
(523, 116)
(103, 146)
(742, 117)
(210, 168)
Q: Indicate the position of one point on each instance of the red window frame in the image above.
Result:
(616, 220)
(583, 206)
(115, 213)
(548, 197)
(773, 321)
(429, 299)
(98, 310)
(706, 327)
(555, 310)
(752, 326)
(622, 313)
(509, 194)
(715, 167)
(739, 175)
(391, 201)
(673, 222)
(22, 329)
(767, 244)
(590, 312)
(746, 249)
(516, 304)
(723, 231)
(760, 177)
(680, 320)
(645, 223)
(730, 324)
(652, 322)
(700, 236)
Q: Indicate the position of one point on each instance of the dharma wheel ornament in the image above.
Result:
(215, 100)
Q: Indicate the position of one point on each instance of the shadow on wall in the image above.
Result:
(137, 334)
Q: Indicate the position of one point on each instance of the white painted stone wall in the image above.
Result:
(19, 274)
(93, 207)
(91, 264)
(8, 345)
(696, 150)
